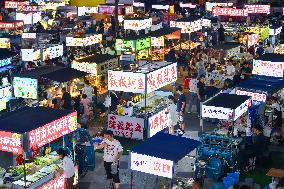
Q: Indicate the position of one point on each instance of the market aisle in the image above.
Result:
(97, 179)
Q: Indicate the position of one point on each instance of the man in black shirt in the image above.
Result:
(201, 91)
(66, 100)
(181, 107)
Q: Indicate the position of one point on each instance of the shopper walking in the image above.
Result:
(193, 99)
(173, 114)
(181, 103)
(68, 169)
(201, 92)
(112, 153)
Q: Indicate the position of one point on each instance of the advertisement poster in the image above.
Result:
(127, 127)
(142, 44)
(10, 142)
(4, 43)
(54, 130)
(158, 122)
(151, 165)
(126, 81)
(267, 68)
(25, 87)
(30, 54)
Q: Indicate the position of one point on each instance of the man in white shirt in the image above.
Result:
(88, 90)
(230, 70)
(112, 153)
(193, 99)
(68, 169)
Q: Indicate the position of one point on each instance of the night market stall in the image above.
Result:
(97, 66)
(269, 64)
(262, 90)
(146, 114)
(159, 156)
(231, 110)
(27, 135)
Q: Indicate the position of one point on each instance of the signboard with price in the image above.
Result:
(151, 165)
(124, 126)
(268, 68)
(10, 142)
(259, 97)
(54, 130)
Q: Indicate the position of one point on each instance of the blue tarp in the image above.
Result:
(269, 85)
(30, 118)
(231, 101)
(166, 146)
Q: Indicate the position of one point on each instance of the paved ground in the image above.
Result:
(97, 179)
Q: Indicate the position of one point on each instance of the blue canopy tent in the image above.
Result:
(157, 154)
(259, 88)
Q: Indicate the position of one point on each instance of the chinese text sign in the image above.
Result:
(54, 130)
(125, 126)
(259, 97)
(10, 142)
(158, 122)
(267, 68)
(151, 165)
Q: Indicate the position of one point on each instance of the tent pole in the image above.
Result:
(131, 180)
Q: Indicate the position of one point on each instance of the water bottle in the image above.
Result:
(114, 168)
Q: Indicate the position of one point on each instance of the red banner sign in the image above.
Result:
(125, 126)
(11, 25)
(260, 9)
(57, 183)
(14, 4)
(10, 142)
(217, 11)
(54, 130)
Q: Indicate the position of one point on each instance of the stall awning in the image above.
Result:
(64, 75)
(268, 85)
(30, 118)
(226, 46)
(97, 58)
(226, 106)
(166, 146)
(272, 57)
(36, 73)
(5, 53)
